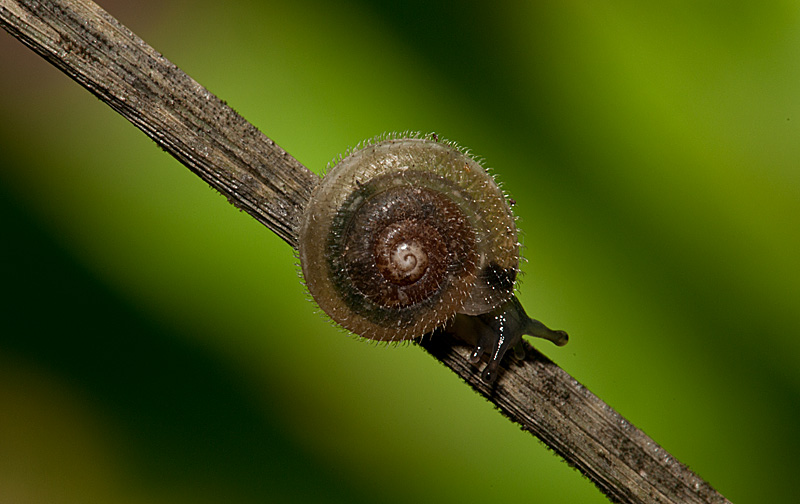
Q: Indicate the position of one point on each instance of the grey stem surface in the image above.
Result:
(256, 175)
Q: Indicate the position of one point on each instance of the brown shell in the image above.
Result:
(403, 234)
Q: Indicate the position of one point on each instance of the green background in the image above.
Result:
(156, 345)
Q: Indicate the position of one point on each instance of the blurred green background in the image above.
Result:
(156, 345)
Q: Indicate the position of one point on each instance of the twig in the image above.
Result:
(256, 175)
(186, 120)
(624, 463)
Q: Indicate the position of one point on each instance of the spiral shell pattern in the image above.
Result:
(404, 233)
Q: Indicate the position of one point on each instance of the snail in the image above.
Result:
(407, 235)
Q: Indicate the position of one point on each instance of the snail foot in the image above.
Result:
(496, 332)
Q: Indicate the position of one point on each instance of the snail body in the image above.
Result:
(402, 235)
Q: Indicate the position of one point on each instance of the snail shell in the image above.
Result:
(403, 234)
(407, 235)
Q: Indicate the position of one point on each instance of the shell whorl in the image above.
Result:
(404, 233)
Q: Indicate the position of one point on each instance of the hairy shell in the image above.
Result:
(403, 234)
